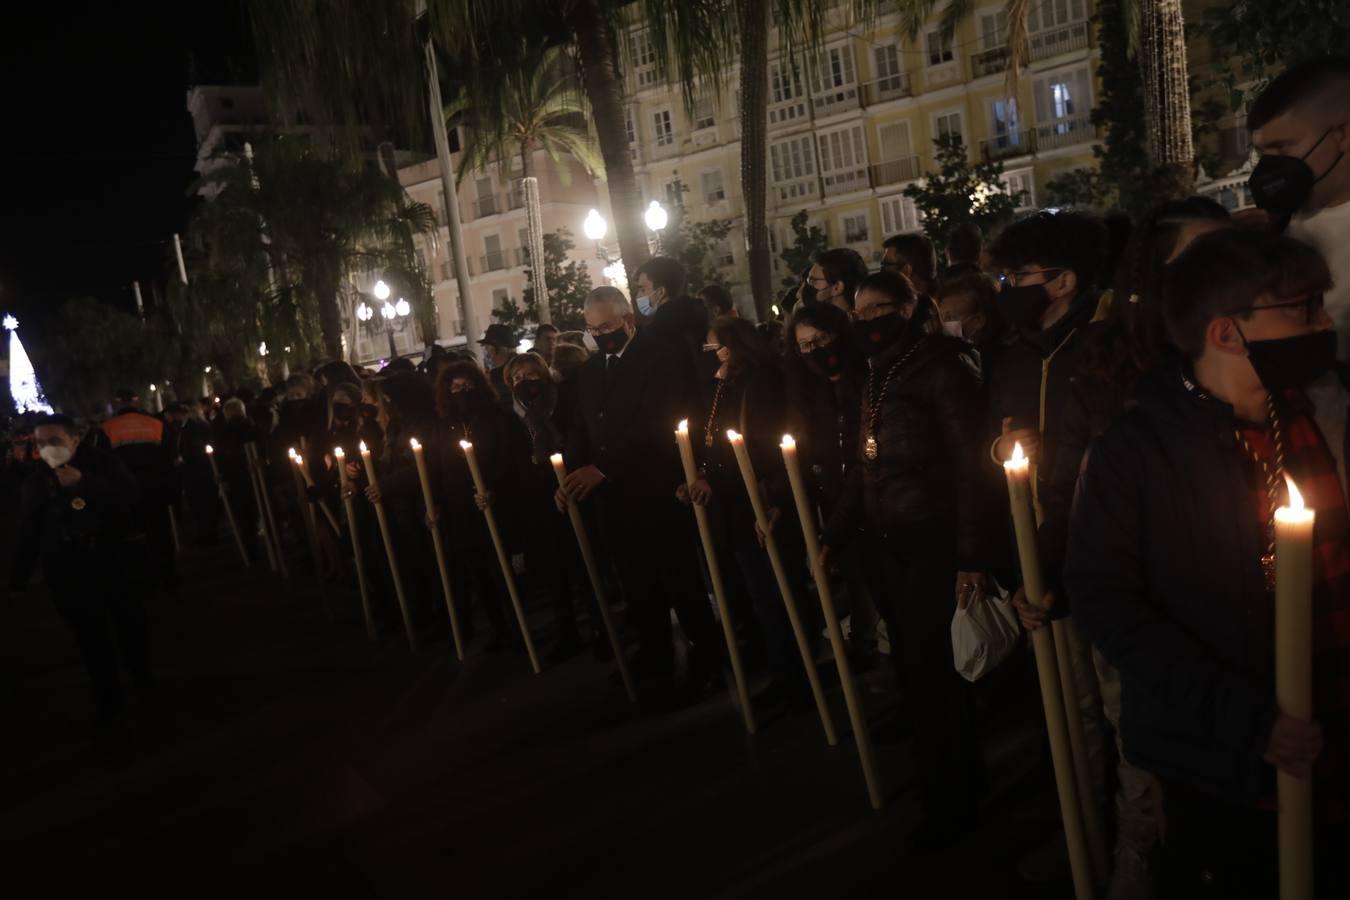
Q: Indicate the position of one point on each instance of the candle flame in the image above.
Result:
(789, 443)
(291, 453)
(298, 459)
(338, 453)
(412, 442)
(1295, 498)
(556, 459)
(466, 445)
(732, 435)
(1018, 456)
(683, 427)
(364, 448)
(210, 449)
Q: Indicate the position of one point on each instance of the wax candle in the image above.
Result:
(420, 459)
(358, 552)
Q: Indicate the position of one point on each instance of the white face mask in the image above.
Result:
(56, 457)
(644, 304)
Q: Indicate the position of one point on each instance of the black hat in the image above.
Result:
(499, 335)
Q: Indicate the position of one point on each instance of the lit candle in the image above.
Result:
(434, 524)
(597, 582)
(784, 586)
(225, 501)
(856, 716)
(1293, 685)
(358, 553)
(385, 533)
(715, 574)
(420, 458)
(503, 558)
(369, 464)
(309, 482)
(1018, 473)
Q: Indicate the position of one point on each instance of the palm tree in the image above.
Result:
(541, 106)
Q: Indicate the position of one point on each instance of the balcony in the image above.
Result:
(894, 171)
(892, 87)
(788, 112)
(1064, 39)
(836, 100)
(990, 62)
(495, 261)
(522, 256)
(516, 198)
(785, 192)
(488, 205)
(1064, 133)
(846, 181)
(1006, 146)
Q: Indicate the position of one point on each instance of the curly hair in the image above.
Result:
(469, 371)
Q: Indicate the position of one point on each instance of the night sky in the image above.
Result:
(97, 147)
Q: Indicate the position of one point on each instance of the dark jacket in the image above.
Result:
(683, 323)
(138, 439)
(65, 528)
(1164, 567)
(823, 418)
(928, 471)
(502, 447)
(228, 438)
(626, 420)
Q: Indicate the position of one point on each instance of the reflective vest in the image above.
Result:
(131, 428)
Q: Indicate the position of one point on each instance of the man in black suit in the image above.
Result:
(674, 317)
(621, 448)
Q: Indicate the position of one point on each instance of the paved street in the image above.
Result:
(290, 757)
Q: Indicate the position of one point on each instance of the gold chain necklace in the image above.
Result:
(712, 416)
(875, 401)
(1274, 481)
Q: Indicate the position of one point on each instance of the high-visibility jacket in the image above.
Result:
(138, 440)
(131, 427)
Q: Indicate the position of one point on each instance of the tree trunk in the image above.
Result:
(534, 218)
(1167, 98)
(755, 151)
(606, 98)
(326, 285)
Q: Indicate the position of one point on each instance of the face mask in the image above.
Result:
(531, 392)
(1292, 362)
(825, 361)
(612, 342)
(1281, 184)
(953, 329)
(56, 457)
(1023, 306)
(342, 412)
(878, 334)
(369, 411)
(644, 305)
(461, 404)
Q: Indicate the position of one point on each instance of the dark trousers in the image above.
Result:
(102, 606)
(475, 571)
(153, 515)
(653, 554)
(199, 488)
(756, 571)
(1215, 849)
(919, 575)
(554, 565)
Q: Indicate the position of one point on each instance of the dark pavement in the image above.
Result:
(286, 756)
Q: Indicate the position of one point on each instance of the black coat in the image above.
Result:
(502, 447)
(683, 323)
(1164, 568)
(929, 471)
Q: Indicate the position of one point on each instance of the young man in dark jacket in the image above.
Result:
(1169, 555)
(78, 521)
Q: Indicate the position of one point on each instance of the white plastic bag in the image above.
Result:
(984, 633)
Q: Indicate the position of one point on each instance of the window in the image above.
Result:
(1021, 187)
(492, 243)
(523, 242)
(785, 81)
(993, 30)
(890, 77)
(948, 125)
(835, 68)
(1063, 101)
(898, 214)
(483, 187)
(843, 159)
(501, 298)
(1049, 14)
(713, 190)
(664, 127)
(486, 204)
(629, 125)
(894, 141)
(855, 228)
(722, 254)
(1004, 124)
(793, 167)
(703, 112)
(674, 191)
(939, 49)
(644, 59)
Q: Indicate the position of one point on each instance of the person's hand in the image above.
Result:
(826, 558)
(349, 491)
(432, 517)
(483, 501)
(1294, 745)
(771, 515)
(968, 584)
(580, 484)
(1029, 614)
(700, 492)
(68, 476)
(560, 500)
(682, 493)
(1029, 438)
(372, 493)
(353, 471)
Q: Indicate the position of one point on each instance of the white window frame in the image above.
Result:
(1079, 79)
(946, 51)
(663, 135)
(717, 195)
(1012, 136)
(824, 79)
(842, 155)
(792, 161)
(642, 52)
(885, 152)
(947, 113)
(992, 28)
(888, 66)
(866, 218)
(1062, 12)
(704, 112)
(899, 215)
(1023, 180)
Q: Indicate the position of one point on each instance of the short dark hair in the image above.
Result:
(126, 395)
(842, 264)
(1223, 273)
(717, 297)
(916, 251)
(749, 349)
(57, 420)
(892, 284)
(1302, 84)
(1054, 240)
(965, 243)
(664, 272)
(547, 326)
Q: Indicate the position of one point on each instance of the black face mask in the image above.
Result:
(1281, 184)
(462, 404)
(825, 361)
(1292, 362)
(878, 334)
(612, 342)
(535, 394)
(343, 413)
(369, 411)
(1023, 306)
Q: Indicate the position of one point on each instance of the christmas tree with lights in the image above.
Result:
(23, 382)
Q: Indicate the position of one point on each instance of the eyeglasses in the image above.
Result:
(1016, 279)
(711, 348)
(606, 329)
(806, 347)
(819, 284)
(867, 314)
(1311, 306)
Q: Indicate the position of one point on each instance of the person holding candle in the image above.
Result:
(229, 434)
(468, 410)
(1170, 564)
(915, 492)
(620, 450)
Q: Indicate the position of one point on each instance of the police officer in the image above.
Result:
(76, 519)
(138, 440)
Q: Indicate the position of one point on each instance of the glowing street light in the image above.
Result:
(595, 227)
(364, 312)
(402, 308)
(381, 290)
(262, 348)
(656, 217)
(388, 311)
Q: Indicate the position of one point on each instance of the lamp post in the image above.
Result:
(656, 219)
(595, 228)
(390, 312)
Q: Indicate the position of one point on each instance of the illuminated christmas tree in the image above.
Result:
(23, 382)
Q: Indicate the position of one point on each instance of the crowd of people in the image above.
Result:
(1164, 383)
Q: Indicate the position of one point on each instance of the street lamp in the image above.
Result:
(381, 290)
(595, 227)
(656, 217)
(388, 311)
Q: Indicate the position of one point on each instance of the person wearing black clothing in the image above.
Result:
(499, 348)
(672, 316)
(78, 521)
(138, 440)
(187, 447)
(230, 434)
(916, 492)
(468, 410)
(621, 448)
(833, 278)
